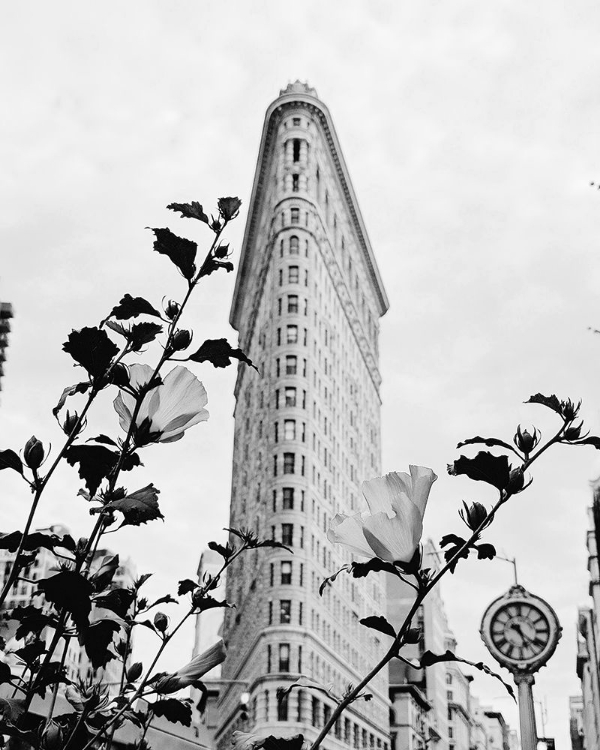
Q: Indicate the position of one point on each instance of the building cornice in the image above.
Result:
(273, 116)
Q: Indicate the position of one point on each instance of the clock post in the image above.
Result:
(521, 631)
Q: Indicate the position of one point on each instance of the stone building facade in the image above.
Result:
(307, 302)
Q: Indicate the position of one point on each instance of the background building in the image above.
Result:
(6, 313)
(307, 301)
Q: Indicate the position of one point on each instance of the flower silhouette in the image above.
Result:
(193, 671)
(167, 410)
(392, 529)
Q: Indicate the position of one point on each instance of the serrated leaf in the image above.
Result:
(95, 463)
(375, 565)
(180, 251)
(429, 658)
(208, 602)
(229, 207)
(282, 743)
(139, 507)
(10, 460)
(552, 402)
(104, 439)
(31, 651)
(35, 540)
(191, 210)
(143, 333)
(173, 710)
(490, 442)
(31, 620)
(71, 591)
(379, 623)
(186, 586)
(219, 353)
(117, 600)
(485, 551)
(484, 467)
(92, 349)
(452, 539)
(96, 640)
(71, 390)
(131, 307)
(225, 551)
(117, 328)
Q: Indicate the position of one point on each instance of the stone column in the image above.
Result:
(526, 711)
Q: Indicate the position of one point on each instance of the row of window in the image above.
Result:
(292, 305)
(283, 614)
(290, 366)
(289, 397)
(285, 573)
(292, 335)
(288, 497)
(289, 431)
(293, 246)
(287, 535)
(289, 464)
(293, 275)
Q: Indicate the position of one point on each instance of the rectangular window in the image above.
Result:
(293, 275)
(303, 466)
(279, 337)
(281, 277)
(276, 432)
(294, 245)
(287, 534)
(305, 338)
(277, 367)
(301, 574)
(277, 399)
(274, 501)
(295, 215)
(290, 396)
(291, 364)
(284, 657)
(274, 466)
(285, 611)
(296, 150)
(272, 574)
(279, 305)
(282, 705)
(315, 712)
(289, 463)
(300, 617)
(291, 335)
(289, 429)
(292, 304)
(295, 183)
(286, 572)
(296, 121)
(270, 613)
(269, 658)
(288, 498)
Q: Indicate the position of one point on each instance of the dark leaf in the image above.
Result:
(71, 591)
(413, 635)
(191, 210)
(186, 586)
(5, 674)
(31, 651)
(219, 352)
(96, 640)
(117, 600)
(36, 540)
(485, 467)
(225, 551)
(430, 658)
(142, 580)
(117, 328)
(32, 620)
(167, 599)
(490, 442)
(270, 543)
(485, 551)
(375, 565)
(92, 349)
(594, 441)
(139, 507)
(454, 553)
(10, 460)
(452, 539)
(131, 307)
(180, 251)
(212, 264)
(143, 333)
(52, 674)
(173, 710)
(229, 207)
(203, 603)
(95, 463)
(378, 622)
(104, 439)
(551, 402)
(70, 391)
(135, 671)
(282, 743)
(11, 709)
(330, 579)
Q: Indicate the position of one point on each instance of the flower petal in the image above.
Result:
(348, 530)
(422, 480)
(394, 538)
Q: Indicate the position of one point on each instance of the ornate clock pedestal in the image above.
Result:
(521, 632)
(524, 683)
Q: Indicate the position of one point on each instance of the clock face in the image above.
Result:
(520, 631)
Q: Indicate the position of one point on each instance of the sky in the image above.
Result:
(470, 133)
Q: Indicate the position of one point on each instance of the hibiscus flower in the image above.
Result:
(167, 410)
(190, 673)
(393, 527)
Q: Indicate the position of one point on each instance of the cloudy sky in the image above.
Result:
(470, 131)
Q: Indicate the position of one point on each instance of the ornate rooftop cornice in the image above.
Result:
(300, 96)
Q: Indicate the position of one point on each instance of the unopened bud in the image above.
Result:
(473, 515)
(516, 481)
(134, 672)
(229, 207)
(181, 340)
(161, 622)
(70, 424)
(525, 441)
(222, 251)
(120, 374)
(33, 453)
(573, 432)
(171, 309)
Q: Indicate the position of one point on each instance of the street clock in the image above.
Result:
(521, 630)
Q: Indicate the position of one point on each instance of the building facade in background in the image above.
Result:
(307, 302)
(6, 313)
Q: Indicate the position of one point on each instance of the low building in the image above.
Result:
(6, 313)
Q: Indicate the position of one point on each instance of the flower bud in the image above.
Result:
(161, 622)
(181, 340)
(516, 481)
(229, 207)
(135, 671)
(473, 515)
(569, 409)
(172, 308)
(52, 738)
(33, 453)
(222, 251)
(573, 432)
(70, 423)
(525, 441)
